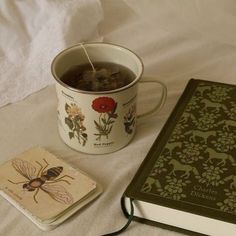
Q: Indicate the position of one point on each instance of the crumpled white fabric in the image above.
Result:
(32, 33)
(174, 38)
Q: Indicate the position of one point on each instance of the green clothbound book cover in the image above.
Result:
(192, 164)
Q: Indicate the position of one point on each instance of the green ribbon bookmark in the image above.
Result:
(130, 218)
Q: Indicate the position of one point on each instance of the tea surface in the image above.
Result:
(108, 76)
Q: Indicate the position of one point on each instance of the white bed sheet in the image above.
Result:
(177, 40)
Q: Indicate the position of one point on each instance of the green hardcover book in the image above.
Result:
(187, 181)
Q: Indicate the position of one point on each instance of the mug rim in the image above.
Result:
(137, 78)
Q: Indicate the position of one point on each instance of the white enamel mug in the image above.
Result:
(99, 122)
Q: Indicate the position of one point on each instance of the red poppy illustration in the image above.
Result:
(103, 104)
(106, 106)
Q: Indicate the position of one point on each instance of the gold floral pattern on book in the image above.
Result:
(198, 161)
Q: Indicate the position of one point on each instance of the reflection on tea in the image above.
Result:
(107, 76)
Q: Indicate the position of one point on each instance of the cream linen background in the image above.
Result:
(177, 40)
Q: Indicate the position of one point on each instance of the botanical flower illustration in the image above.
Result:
(212, 175)
(219, 94)
(193, 104)
(74, 111)
(174, 188)
(159, 165)
(232, 111)
(106, 106)
(129, 120)
(103, 104)
(191, 152)
(75, 120)
(225, 141)
(229, 204)
(199, 149)
(202, 89)
(178, 132)
(206, 120)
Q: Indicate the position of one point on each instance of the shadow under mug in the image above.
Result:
(99, 122)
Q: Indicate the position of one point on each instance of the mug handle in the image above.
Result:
(159, 105)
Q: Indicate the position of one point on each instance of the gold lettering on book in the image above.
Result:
(205, 193)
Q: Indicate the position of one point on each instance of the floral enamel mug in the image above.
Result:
(99, 122)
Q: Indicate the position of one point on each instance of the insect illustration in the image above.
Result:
(44, 180)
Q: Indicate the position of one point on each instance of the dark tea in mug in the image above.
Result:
(106, 76)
